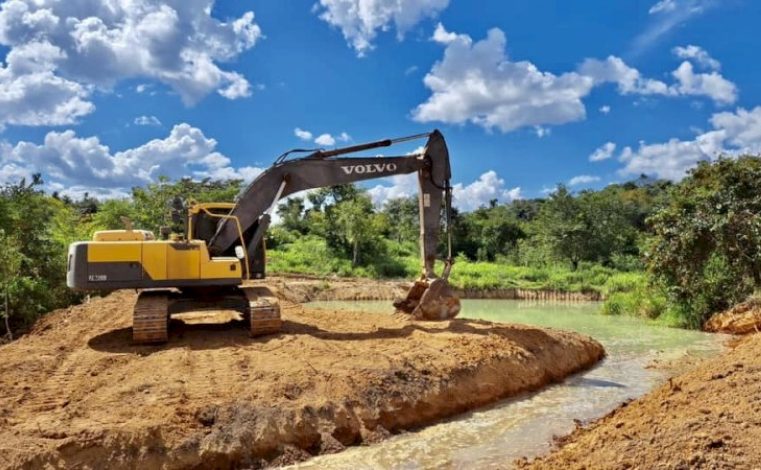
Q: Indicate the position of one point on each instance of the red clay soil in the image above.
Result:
(741, 319)
(75, 393)
(709, 417)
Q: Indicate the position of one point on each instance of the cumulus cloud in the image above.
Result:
(361, 20)
(582, 180)
(732, 134)
(302, 134)
(688, 82)
(698, 55)
(629, 80)
(476, 82)
(325, 139)
(603, 152)
(147, 121)
(605, 109)
(68, 161)
(59, 52)
(31, 94)
(393, 187)
(489, 186)
(712, 84)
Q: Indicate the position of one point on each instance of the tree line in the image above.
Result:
(691, 247)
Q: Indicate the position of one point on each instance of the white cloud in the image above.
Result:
(605, 109)
(542, 131)
(582, 180)
(68, 161)
(478, 83)
(487, 187)
(733, 133)
(629, 80)
(325, 139)
(410, 70)
(31, 94)
(59, 52)
(393, 187)
(712, 84)
(147, 121)
(361, 20)
(698, 55)
(238, 87)
(688, 83)
(603, 152)
(666, 15)
(443, 36)
(663, 6)
(302, 134)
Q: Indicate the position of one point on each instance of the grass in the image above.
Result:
(310, 256)
(626, 293)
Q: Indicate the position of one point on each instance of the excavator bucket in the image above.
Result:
(431, 300)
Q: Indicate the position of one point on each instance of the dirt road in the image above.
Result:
(709, 417)
(76, 393)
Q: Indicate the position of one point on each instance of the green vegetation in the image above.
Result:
(672, 252)
(35, 230)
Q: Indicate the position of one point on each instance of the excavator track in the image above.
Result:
(263, 311)
(150, 318)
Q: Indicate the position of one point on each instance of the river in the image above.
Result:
(494, 436)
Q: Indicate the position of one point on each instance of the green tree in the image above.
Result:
(357, 224)
(291, 213)
(10, 272)
(706, 246)
(404, 226)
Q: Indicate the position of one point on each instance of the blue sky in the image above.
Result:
(102, 97)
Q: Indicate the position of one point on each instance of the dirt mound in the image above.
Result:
(741, 319)
(709, 417)
(76, 393)
(300, 290)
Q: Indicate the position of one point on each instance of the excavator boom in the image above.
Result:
(427, 299)
(224, 243)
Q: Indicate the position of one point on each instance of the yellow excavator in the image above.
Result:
(212, 265)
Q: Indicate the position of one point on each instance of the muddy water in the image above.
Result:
(493, 437)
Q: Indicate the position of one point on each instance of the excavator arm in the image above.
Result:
(251, 214)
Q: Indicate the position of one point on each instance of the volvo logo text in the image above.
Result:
(369, 168)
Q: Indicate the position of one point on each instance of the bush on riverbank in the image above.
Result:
(311, 256)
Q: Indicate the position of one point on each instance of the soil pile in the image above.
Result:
(709, 417)
(741, 319)
(76, 393)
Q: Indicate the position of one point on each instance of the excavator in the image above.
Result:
(217, 262)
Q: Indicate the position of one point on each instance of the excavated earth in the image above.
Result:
(75, 393)
(709, 417)
(741, 319)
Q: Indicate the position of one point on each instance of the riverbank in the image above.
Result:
(708, 417)
(76, 393)
(302, 289)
